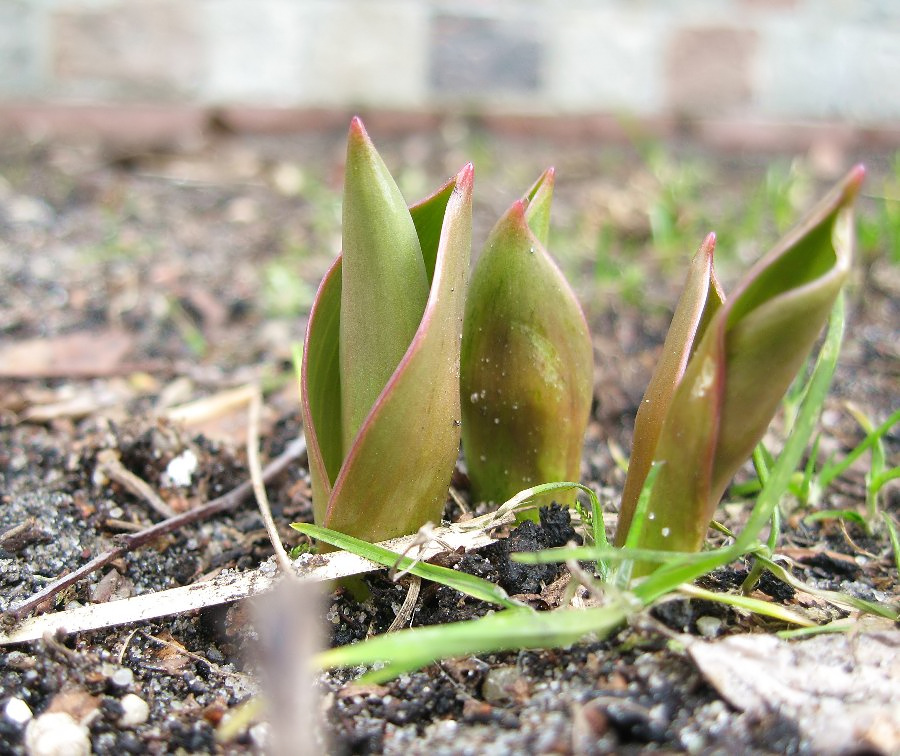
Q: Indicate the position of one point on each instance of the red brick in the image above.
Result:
(120, 124)
(265, 120)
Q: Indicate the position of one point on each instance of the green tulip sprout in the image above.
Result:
(726, 365)
(527, 361)
(399, 355)
(380, 372)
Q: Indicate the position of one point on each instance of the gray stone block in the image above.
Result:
(369, 53)
(476, 56)
(258, 51)
(21, 71)
(709, 70)
(607, 61)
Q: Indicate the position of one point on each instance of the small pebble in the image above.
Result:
(56, 733)
(122, 677)
(501, 684)
(180, 470)
(135, 711)
(261, 735)
(709, 627)
(17, 711)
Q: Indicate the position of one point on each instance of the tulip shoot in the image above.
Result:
(380, 373)
(725, 368)
(527, 361)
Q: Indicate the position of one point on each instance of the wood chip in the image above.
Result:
(224, 588)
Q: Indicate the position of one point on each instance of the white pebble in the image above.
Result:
(135, 711)
(261, 735)
(17, 711)
(122, 677)
(709, 627)
(181, 469)
(56, 734)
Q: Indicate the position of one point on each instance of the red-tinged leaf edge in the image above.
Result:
(701, 297)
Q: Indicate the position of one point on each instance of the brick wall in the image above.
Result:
(769, 60)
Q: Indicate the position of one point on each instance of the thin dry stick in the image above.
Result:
(111, 466)
(295, 450)
(404, 614)
(259, 486)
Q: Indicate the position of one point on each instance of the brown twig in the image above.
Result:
(404, 614)
(110, 464)
(131, 542)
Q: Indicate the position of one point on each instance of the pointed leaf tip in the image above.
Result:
(357, 127)
(854, 181)
(465, 178)
(516, 211)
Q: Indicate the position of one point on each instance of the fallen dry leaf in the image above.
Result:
(843, 691)
(74, 354)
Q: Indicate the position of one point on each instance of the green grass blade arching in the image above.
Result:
(408, 650)
(833, 471)
(780, 474)
(463, 582)
(748, 604)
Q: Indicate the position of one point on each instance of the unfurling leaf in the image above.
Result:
(383, 280)
(725, 368)
(527, 360)
(380, 390)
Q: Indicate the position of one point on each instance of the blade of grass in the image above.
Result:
(808, 483)
(638, 520)
(895, 540)
(756, 606)
(471, 585)
(838, 626)
(833, 597)
(520, 501)
(408, 650)
(836, 469)
(879, 481)
(669, 576)
(807, 415)
(836, 514)
(608, 553)
(876, 465)
(838, 599)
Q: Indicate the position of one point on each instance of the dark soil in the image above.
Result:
(160, 276)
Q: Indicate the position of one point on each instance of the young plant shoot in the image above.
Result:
(527, 362)
(726, 365)
(380, 374)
